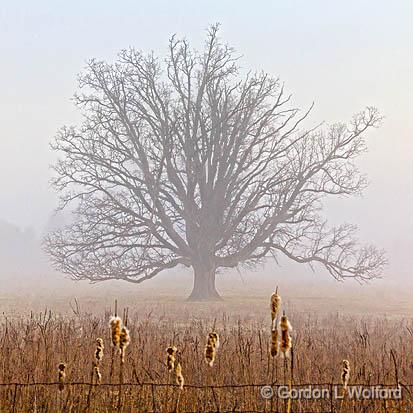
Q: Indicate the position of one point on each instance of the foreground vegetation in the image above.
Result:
(379, 351)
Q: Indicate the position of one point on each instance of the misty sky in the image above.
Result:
(342, 55)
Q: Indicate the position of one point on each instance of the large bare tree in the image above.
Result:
(186, 162)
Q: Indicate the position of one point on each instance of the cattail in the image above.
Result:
(211, 348)
(98, 374)
(179, 376)
(345, 374)
(275, 304)
(99, 350)
(115, 326)
(170, 357)
(286, 342)
(210, 354)
(214, 337)
(274, 342)
(124, 342)
(62, 375)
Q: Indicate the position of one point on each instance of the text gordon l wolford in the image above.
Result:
(335, 392)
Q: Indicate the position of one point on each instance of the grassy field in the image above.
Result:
(38, 333)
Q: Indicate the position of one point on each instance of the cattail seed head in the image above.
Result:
(214, 338)
(210, 354)
(345, 374)
(99, 350)
(170, 357)
(179, 377)
(211, 348)
(62, 375)
(115, 324)
(275, 305)
(274, 342)
(124, 341)
(286, 342)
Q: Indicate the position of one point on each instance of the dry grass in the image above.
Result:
(379, 350)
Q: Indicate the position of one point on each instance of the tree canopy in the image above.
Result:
(185, 161)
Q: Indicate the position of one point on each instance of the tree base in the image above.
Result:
(204, 297)
(204, 286)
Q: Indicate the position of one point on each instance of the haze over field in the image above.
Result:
(342, 57)
(246, 166)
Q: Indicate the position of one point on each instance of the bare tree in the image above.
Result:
(186, 162)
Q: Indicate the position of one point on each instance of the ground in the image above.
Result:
(371, 326)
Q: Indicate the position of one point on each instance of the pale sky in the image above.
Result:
(341, 55)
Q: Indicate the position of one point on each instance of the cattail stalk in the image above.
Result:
(124, 340)
(98, 358)
(345, 377)
(115, 324)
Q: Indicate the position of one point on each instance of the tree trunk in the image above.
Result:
(204, 285)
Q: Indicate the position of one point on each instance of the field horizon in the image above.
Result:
(382, 297)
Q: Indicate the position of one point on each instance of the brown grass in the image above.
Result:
(380, 350)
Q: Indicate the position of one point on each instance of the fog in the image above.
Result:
(341, 56)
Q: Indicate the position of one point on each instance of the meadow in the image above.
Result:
(33, 343)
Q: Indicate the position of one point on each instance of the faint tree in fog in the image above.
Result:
(186, 162)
